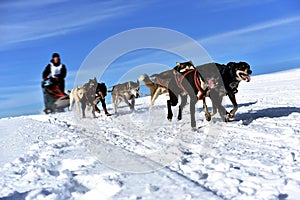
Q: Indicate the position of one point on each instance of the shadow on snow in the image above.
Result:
(248, 118)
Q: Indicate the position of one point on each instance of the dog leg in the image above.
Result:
(127, 102)
(71, 102)
(83, 106)
(155, 96)
(115, 102)
(78, 106)
(192, 111)
(207, 114)
(183, 103)
(170, 114)
(93, 111)
(234, 103)
(216, 99)
(172, 102)
(132, 103)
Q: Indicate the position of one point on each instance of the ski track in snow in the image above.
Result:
(141, 155)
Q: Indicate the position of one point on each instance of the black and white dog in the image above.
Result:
(232, 74)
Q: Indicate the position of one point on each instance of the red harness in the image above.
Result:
(197, 81)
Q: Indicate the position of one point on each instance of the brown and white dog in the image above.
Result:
(125, 91)
(84, 96)
(158, 83)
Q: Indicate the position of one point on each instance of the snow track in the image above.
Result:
(141, 155)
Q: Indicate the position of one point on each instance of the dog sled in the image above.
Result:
(54, 99)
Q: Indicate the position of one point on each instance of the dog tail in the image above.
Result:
(145, 78)
(69, 91)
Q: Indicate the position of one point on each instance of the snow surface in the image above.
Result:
(141, 155)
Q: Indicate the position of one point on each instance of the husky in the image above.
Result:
(86, 96)
(125, 91)
(157, 84)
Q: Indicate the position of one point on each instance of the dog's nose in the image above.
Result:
(249, 71)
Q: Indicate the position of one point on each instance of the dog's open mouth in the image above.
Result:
(246, 77)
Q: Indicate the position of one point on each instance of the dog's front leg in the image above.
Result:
(127, 102)
(170, 114)
(234, 103)
(115, 102)
(207, 114)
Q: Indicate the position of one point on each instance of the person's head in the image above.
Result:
(55, 58)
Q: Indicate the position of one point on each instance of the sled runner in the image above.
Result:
(54, 99)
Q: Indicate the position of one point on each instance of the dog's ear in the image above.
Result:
(178, 64)
(244, 64)
(138, 82)
(231, 65)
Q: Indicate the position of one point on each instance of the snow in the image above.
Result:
(141, 155)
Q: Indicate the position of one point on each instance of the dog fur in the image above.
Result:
(84, 96)
(125, 91)
(186, 81)
(158, 86)
(231, 74)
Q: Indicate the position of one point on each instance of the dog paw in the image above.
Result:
(226, 119)
(212, 113)
(231, 115)
(208, 117)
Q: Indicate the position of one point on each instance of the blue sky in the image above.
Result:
(265, 33)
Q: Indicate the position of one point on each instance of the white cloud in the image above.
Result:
(249, 29)
(221, 5)
(33, 20)
(253, 38)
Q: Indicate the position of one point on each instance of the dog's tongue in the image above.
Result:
(247, 78)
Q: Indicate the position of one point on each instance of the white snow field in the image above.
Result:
(141, 155)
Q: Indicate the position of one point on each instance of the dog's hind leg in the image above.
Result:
(132, 103)
(172, 102)
(235, 105)
(217, 104)
(192, 112)
(71, 102)
(93, 111)
(183, 103)
(155, 96)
